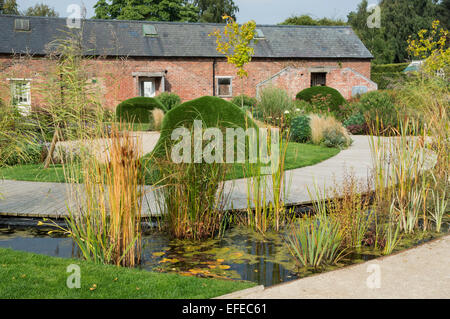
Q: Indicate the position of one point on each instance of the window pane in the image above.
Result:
(224, 86)
(318, 79)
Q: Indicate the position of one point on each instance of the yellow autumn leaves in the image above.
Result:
(235, 42)
(430, 45)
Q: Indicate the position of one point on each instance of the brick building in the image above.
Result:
(144, 58)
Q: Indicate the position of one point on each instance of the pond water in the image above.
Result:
(240, 255)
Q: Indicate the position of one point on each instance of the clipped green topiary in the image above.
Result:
(170, 100)
(300, 129)
(138, 109)
(332, 99)
(212, 111)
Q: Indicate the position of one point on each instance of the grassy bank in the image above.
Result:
(298, 155)
(27, 275)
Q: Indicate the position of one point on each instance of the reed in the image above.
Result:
(439, 210)
(191, 196)
(158, 116)
(105, 215)
(349, 205)
(266, 193)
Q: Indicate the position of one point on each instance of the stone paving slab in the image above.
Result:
(39, 199)
(417, 273)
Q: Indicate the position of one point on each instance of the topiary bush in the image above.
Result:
(138, 109)
(169, 100)
(212, 111)
(323, 99)
(249, 102)
(300, 129)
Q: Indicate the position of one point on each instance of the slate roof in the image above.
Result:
(125, 38)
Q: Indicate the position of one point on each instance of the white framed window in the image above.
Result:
(21, 94)
(147, 87)
(224, 87)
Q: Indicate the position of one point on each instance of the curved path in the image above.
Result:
(417, 273)
(38, 199)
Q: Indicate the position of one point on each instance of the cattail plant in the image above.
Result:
(104, 218)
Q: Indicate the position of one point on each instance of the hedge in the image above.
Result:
(389, 68)
(212, 111)
(336, 99)
(137, 109)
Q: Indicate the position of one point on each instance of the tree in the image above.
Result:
(399, 19)
(235, 43)
(153, 10)
(307, 20)
(41, 10)
(213, 10)
(431, 46)
(8, 7)
(444, 13)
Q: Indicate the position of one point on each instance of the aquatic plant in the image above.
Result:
(266, 212)
(316, 240)
(439, 209)
(349, 205)
(105, 215)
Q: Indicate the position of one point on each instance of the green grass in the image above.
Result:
(33, 173)
(28, 275)
(298, 155)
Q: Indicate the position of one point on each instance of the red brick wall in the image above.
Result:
(189, 78)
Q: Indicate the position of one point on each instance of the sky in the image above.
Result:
(262, 11)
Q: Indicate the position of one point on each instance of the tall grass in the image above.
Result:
(105, 217)
(266, 193)
(318, 239)
(106, 187)
(320, 124)
(158, 116)
(191, 196)
(350, 206)
(439, 210)
(273, 102)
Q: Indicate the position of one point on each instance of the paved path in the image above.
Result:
(36, 199)
(420, 272)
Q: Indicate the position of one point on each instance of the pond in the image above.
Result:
(240, 254)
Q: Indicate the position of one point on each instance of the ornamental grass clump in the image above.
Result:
(350, 207)
(318, 239)
(191, 197)
(267, 185)
(105, 212)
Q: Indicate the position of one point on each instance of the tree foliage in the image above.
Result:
(235, 43)
(154, 10)
(399, 19)
(41, 10)
(8, 7)
(165, 10)
(214, 10)
(431, 46)
(308, 20)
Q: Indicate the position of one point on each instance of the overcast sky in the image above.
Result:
(262, 11)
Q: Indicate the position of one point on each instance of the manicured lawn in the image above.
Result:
(298, 155)
(27, 275)
(33, 173)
